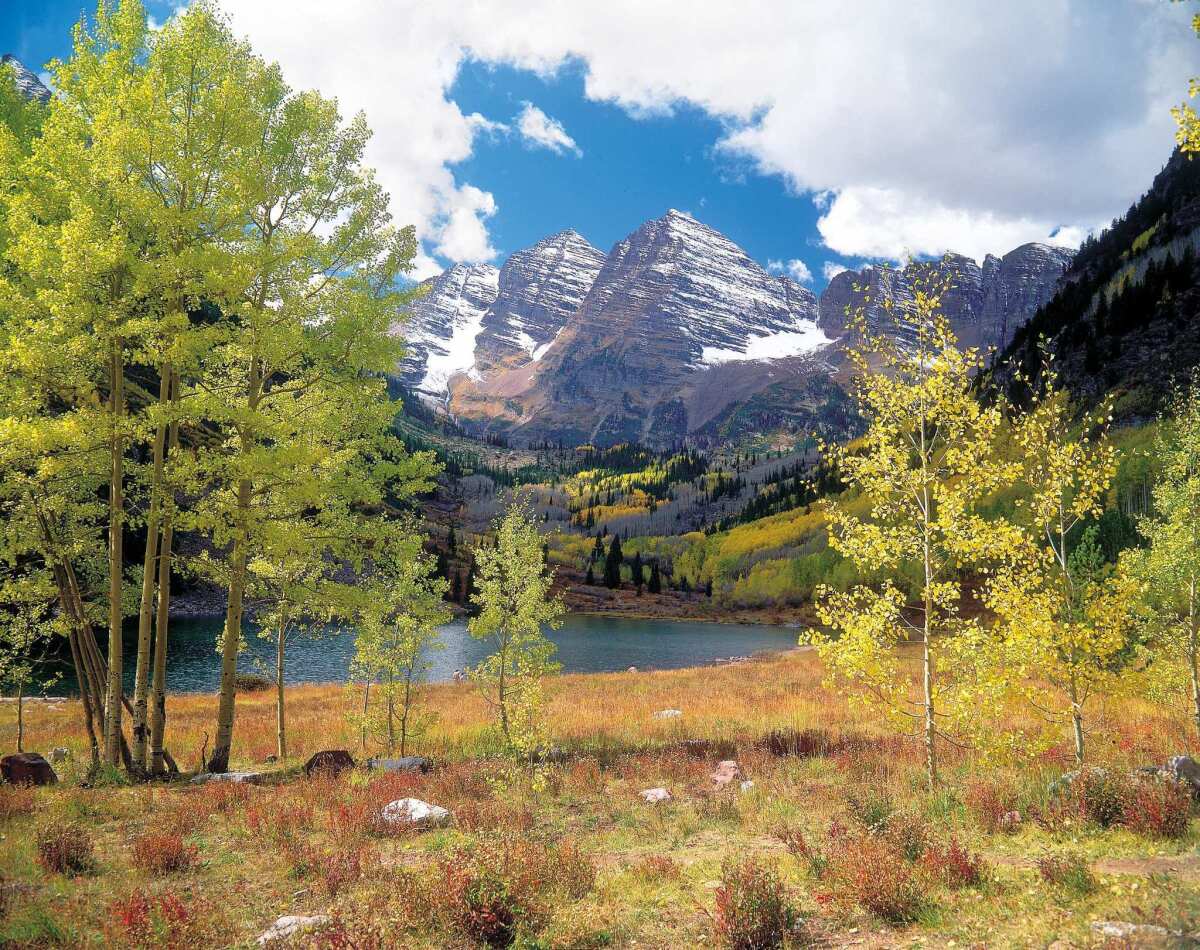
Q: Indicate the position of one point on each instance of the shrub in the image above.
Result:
(1159, 808)
(953, 864)
(16, 801)
(994, 807)
(162, 921)
(1094, 795)
(752, 907)
(1069, 872)
(341, 869)
(869, 872)
(908, 831)
(65, 849)
(656, 867)
(252, 683)
(163, 853)
(798, 846)
(870, 809)
(808, 743)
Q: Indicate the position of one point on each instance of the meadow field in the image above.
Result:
(837, 841)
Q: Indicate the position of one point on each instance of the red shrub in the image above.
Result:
(341, 869)
(953, 864)
(162, 921)
(870, 872)
(657, 867)
(163, 853)
(994, 807)
(1158, 808)
(65, 849)
(1093, 795)
(752, 907)
(220, 798)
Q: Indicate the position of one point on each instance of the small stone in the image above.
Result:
(726, 773)
(270, 760)
(747, 785)
(632, 669)
(655, 795)
(60, 754)
(413, 811)
(331, 762)
(408, 763)
(27, 768)
(292, 925)
(668, 714)
(238, 778)
(1123, 930)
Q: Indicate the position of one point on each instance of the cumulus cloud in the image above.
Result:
(795, 269)
(912, 125)
(830, 269)
(540, 131)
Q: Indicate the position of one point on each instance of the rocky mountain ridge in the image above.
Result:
(675, 334)
(27, 82)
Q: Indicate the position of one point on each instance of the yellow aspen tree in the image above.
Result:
(923, 466)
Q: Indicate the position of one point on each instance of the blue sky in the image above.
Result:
(802, 132)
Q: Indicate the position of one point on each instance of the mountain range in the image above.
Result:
(676, 334)
(28, 83)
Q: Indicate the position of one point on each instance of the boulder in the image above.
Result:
(27, 768)
(668, 714)
(655, 795)
(408, 763)
(632, 669)
(726, 773)
(413, 811)
(239, 778)
(1185, 769)
(1130, 934)
(58, 755)
(330, 762)
(290, 926)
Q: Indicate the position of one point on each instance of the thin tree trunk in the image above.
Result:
(391, 707)
(141, 682)
(158, 684)
(20, 718)
(362, 738)
(1077, 722)
(280, 737)
(222, 743)
(404, 716)
(1193, 660)
(930, 727)
(116, 525)
(81, 677)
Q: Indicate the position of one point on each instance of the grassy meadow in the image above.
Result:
(845, 845)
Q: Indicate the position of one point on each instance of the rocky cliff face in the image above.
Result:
(985, 305)
(29, 85)
(675, 334)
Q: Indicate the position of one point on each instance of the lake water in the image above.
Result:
(586, 644)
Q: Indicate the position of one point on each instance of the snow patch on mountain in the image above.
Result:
(772, 346)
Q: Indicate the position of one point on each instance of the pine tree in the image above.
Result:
(655, 586)
(612, 564)
(591, 577)
(637, 576)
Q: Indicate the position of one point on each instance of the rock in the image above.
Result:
(746, 785)
(413, 811)
(292, 925)
(632, 669)
(1123, 930)
(59, 755)
(408, 763)
(655, 795)
(332, 762)
(27, 768)
(1067, 779)
(726, 773)
(239, 778)
(668, 714)
(271, 759)
(1185, 769)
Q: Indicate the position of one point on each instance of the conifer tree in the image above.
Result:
(612, 564)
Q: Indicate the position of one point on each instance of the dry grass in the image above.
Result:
(319, 846)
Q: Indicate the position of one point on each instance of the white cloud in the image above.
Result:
(919, 126)
(541, 131)
(796, 269)
(830, 269)
(483, 125)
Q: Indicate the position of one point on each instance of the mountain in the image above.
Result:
(27, 83)
(1126, 317)
(675, 334)
(985, 305)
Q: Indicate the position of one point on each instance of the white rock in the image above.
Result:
(747, 785)
(291, 925)
(240, 778)
(668, 714)
(1123, 930)
(654, 795)
(415, 812)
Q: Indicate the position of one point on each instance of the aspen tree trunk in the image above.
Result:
(85, 699)
(280, 736)
(930, 728)
(362, 736)
(1193, 638)
(20, 717)
(391, 712)
(404, 717)
(113, 736)
(158, 684)
(219, 761)
(141, 682)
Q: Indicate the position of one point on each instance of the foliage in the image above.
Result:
(753, 912)
(65, 848)
(514, 603)
(163, 853)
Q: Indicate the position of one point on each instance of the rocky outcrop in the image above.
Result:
(985, 305)
(27, 83)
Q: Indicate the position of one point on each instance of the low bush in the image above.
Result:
(808, 743)
(65, 849)
(340, 870)
(1093, 795)
(16, 801)
(656, 867)
(1069, 872)
(143, 921)
(870, 809)
(252, 683)
(753, 912)
(994, 807)
(798, 846)
(163, 853)
(953, 865)
(1158, 808)
(869, 872)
